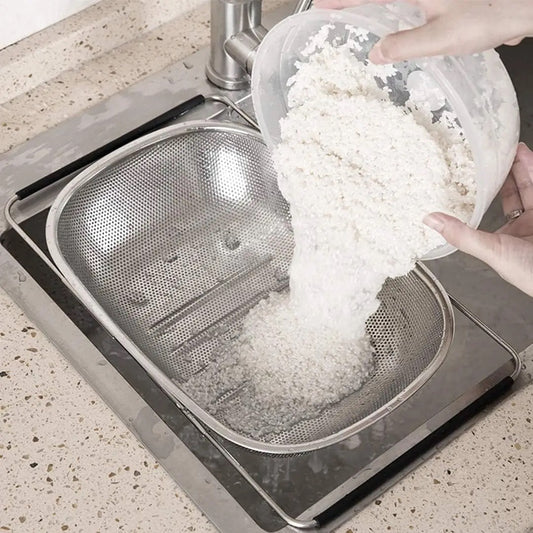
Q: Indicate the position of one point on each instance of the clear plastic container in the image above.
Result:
(477, 88)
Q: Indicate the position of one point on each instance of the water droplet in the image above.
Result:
(281, 274)
(231, 241)
(171, 258)
(138, 298)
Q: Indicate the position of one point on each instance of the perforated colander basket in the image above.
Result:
(170, 240)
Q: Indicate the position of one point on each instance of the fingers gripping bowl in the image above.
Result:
(476, 90)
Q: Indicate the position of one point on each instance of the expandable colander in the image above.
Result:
(170, 240)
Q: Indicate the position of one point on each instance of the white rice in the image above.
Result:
(359, 174)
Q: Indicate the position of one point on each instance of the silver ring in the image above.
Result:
(515, 213)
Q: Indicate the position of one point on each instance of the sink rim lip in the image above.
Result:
(185, 402)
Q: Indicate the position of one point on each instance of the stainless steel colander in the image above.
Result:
(171, 239)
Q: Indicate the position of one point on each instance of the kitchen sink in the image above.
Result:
(238, 489)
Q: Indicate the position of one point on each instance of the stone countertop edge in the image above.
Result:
(67, 463)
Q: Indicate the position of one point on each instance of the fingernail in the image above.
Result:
(434, 221)
(524, 156)
(376, 55)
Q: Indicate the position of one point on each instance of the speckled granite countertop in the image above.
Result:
(67, 463)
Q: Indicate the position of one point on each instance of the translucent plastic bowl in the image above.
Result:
(477, 88)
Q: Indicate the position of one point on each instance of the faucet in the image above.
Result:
(236, 32)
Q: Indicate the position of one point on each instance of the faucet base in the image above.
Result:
(230, 84)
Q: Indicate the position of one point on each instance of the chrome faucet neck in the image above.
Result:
(229, 20)
(236, 32)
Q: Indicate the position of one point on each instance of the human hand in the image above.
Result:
(509, 251)
(453, 27)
